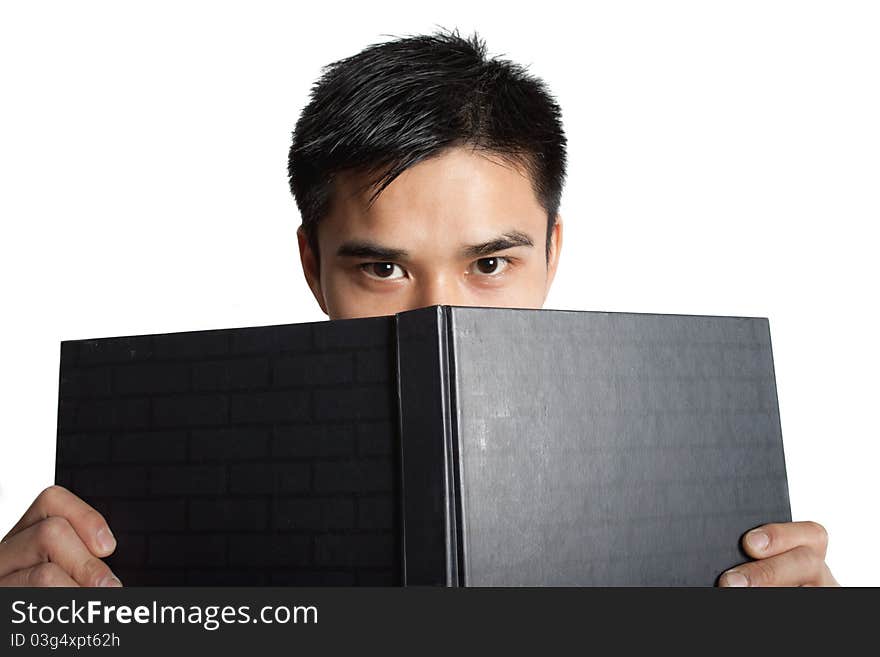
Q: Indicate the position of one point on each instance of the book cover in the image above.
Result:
(587, 448)
(450, 446)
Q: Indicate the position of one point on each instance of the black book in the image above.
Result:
(454, 446)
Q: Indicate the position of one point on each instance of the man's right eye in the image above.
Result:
(382, 270)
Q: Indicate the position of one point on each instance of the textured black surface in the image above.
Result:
(446, 445)
(261, 455)
(612, 448)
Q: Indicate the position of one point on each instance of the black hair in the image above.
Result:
(397, 103)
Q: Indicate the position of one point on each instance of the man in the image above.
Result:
(425, 173)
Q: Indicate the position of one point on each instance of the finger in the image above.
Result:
(776, 538)
(44, 574)
(54, 540)
(798, 567)
(87, 521)
(826, 578)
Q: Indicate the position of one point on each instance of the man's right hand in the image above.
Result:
(58, 542)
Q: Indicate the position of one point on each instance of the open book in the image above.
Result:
(456, 446)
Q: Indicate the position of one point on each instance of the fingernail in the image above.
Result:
(111, 580)
(734, 578)
(105, 539)
(758, 540)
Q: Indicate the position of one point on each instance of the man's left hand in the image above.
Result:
(787, 554)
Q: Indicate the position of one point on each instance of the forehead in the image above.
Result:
(460, 196)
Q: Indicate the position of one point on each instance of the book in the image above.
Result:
(449, 445)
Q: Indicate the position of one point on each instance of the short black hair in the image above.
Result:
(397, 103)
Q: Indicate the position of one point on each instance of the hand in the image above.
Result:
(57, 542)
(788, 554)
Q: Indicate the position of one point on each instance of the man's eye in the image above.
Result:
(382, 270)
(491, 266)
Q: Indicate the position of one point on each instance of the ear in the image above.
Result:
(311, 270)
(553, 257)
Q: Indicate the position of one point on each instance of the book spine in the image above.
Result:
(429, 535)
(453, 464)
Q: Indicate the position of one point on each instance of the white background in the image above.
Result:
(724, 159)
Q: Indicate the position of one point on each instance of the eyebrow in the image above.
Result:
(506, 241)
(364, 249)
(367, 249)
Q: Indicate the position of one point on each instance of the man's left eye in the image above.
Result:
(491, 266)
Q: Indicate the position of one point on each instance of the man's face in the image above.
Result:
(463, 228)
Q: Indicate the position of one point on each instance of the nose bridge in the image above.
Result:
(439, 288)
